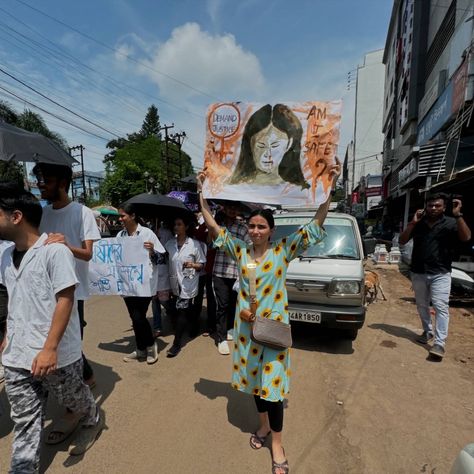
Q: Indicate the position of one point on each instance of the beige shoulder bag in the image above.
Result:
(268, 332)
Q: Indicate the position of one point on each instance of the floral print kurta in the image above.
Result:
(259, 370)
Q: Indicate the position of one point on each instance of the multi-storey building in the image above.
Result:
(427, 120)
(364, 158)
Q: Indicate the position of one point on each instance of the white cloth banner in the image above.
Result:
(120, 267)
(273, 154)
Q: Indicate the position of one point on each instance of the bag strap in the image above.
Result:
(252, 271)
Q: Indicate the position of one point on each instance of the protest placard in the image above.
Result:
(274, 154)
(120, 266)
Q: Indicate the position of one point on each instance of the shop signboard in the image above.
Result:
(408, 173)
(437, 116)
(374, 191)
(459, 81)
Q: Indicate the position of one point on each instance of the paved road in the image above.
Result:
(373, 406)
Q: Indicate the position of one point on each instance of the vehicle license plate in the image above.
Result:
(306, 316)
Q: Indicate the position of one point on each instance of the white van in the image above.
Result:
(326, 283)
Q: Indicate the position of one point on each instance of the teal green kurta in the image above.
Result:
(259, 370)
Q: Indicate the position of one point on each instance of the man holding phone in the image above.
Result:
(435, 236)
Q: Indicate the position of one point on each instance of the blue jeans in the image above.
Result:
(156, 310)
(435, 289)
(156, 305)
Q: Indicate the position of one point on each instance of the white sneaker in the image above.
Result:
(152, 354)
(2, 373)
(230, 335)
(223, 348)
(135, 355)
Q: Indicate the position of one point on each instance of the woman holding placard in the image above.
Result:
(258, 369)
(186, 260)
(137, 306)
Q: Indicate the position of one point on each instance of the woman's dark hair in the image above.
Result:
(188, 223)
(286, 121)
(14, 198)
(267, 214)
(130, 209)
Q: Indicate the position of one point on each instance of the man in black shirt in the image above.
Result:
(435, 237)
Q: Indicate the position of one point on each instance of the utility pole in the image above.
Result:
(167, 155)
(81, 155)
(178, 139)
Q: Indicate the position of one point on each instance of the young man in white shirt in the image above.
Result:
(42, 347)
(72, 224)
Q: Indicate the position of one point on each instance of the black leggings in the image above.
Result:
(182, 318)
(137, 307)
(274, 410)
(87, 372)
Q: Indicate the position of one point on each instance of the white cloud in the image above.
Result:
(124, 50)
(215, 64)
(212, 7)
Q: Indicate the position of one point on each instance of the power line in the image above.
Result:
(56, 92)
(57, 103)
(31, 104)
(116, 51)
(52, 58)
(123, 86)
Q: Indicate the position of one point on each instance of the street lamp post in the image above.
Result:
(149, 183)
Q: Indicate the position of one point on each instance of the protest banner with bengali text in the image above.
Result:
(120, 266)
(273, 154)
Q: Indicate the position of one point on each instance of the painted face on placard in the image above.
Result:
(268, 148)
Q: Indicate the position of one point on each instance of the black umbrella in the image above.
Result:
(17, 144)
(157, 205)
(191, 179)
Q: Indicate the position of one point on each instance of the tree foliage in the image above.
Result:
(143, 162)
(151, 124)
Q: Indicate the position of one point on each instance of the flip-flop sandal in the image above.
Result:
(255, 438)
(63, 427)
(282, 466)
(86, 437)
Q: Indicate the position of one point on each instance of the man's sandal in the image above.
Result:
(62, 429)
(255, 438)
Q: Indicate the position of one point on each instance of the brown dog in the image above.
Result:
(372, 287)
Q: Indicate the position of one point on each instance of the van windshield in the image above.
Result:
(340, 241)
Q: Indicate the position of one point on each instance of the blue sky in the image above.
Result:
(180, 55)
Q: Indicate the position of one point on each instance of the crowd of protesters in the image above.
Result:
(44, 256)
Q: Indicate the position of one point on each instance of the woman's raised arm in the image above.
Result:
(334, 172)
(211, 224)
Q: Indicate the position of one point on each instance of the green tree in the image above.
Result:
(139, 153)
(125, 175)
(7, 113)
(151, 124)
(33, 122)
(11, 172)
